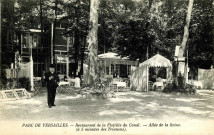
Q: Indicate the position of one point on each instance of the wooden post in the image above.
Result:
(147, 78)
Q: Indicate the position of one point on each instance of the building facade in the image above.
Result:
(31, 44)
(41, 53)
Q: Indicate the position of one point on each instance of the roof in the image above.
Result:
(33, 30)
(111, 55)
(157, 61)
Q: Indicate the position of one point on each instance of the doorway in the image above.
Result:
(123, 71)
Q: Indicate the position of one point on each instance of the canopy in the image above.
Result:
(140, 76)
(157, 61)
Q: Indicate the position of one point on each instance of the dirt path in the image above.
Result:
(127, 106)
(183, 114)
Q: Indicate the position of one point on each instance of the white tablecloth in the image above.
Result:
(164, 80)
(158, 84)
(64, 83)
(120, 84)
(76, 81)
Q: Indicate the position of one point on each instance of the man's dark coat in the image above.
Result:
(52, 84)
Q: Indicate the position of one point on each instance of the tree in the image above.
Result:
(107, 23)
(200, 36)
(93, 42)
(7, 39)
(77, 19)
(185, 37)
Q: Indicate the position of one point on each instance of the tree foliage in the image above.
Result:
(128, 27)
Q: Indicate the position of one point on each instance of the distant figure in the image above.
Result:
(73, 75)
(77, 82)
(65, 78)
(153, 79)
(114, 74)
(43, 79)
(52, 80)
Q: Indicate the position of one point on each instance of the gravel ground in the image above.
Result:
(127, 106)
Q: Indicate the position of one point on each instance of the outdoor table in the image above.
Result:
(76, 81)
(164, 80)
(157, 85)
(120, 84)
(64, 83)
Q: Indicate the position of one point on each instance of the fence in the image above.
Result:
(23, 71)
(206, 76)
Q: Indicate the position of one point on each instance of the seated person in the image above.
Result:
(159, 79)
(153, 79)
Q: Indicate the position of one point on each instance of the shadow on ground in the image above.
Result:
(126, 106)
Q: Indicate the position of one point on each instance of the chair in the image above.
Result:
(113, 87)
(158, 86)
(37, 87)
(66, 88)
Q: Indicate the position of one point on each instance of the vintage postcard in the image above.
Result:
(104, 67)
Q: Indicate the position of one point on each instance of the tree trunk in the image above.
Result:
(12, 26)
(82, 56)
(54, 31)
(41, 22)
(93, 42)
(181, 65)
(77, 38)
(0, 48)
(213, 32)
(76, 53)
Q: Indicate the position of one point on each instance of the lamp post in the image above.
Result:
(52, 27)
(31, 66)
(51, 20)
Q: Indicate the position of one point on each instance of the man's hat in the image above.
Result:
(52, 66)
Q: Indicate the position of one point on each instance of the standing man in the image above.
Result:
(52, 80)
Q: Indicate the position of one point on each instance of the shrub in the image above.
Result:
(171, 87)
(191, 89)
(181, 81)
(182, 87)
(3, 75)
(24, 82)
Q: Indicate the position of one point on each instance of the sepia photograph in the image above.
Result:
(104, 67)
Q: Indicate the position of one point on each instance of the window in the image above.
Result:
(38, 68)
(112, 69)
(30, 41)
(117, 69)
(107, 70)
(61, 68)
(24, 40)
(34, 40)
(129, 69)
